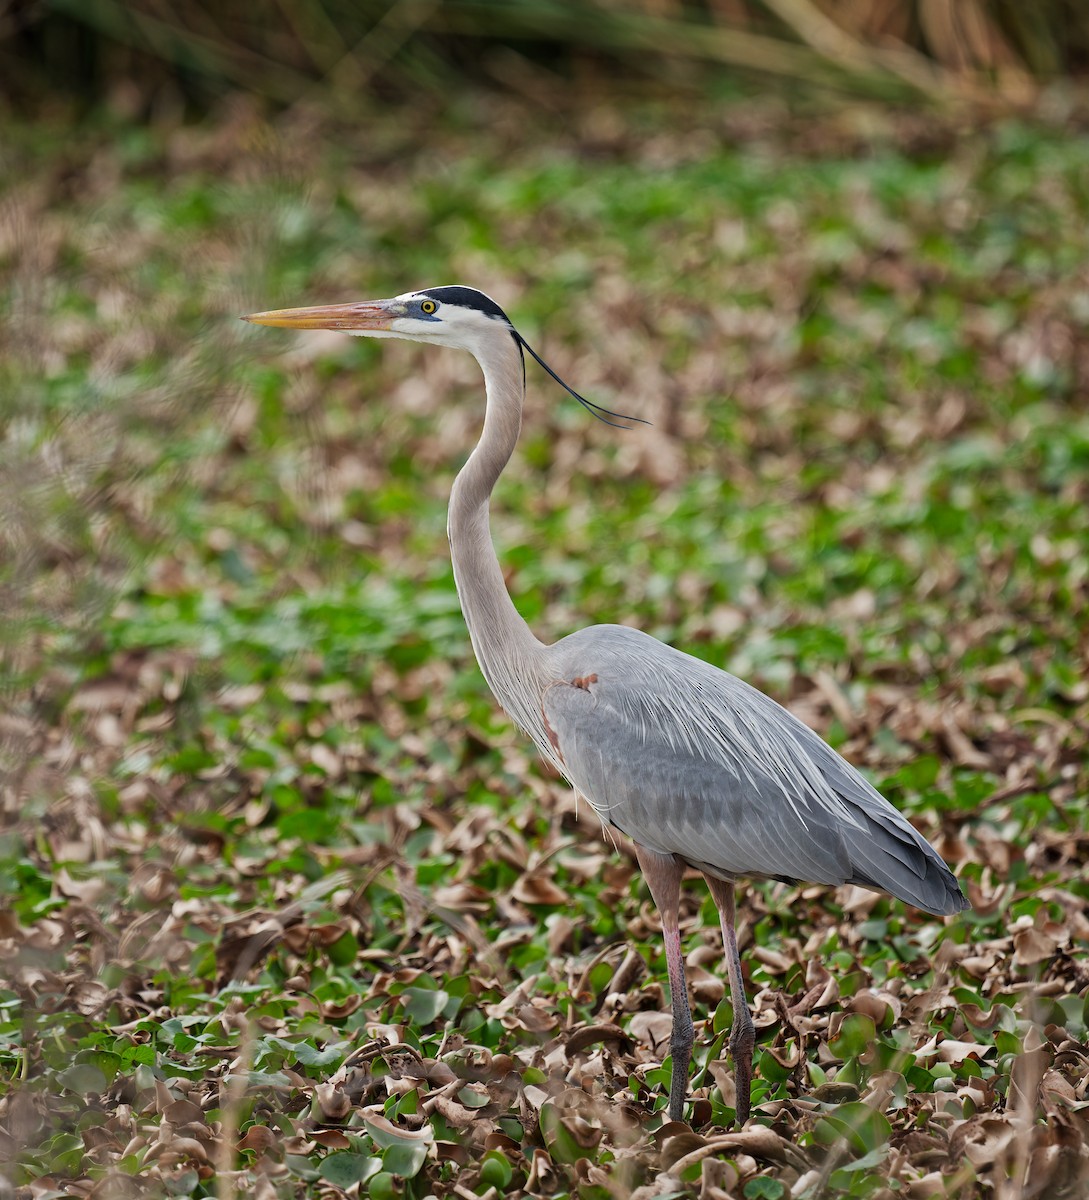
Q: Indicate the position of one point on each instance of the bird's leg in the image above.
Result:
(742, 1035)
(663, 875)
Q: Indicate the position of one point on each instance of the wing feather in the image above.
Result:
(687, 759)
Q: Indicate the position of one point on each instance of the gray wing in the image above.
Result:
(689, 760)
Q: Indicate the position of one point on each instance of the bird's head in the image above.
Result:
(446, 316)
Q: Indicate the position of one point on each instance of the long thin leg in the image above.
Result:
(742, 1035)
(663, 875)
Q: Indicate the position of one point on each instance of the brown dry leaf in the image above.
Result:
(326, 935)
(589, 1035)
(951, 1051)
(176, 1148)
(181, 1112)
(89, 891)
(334, 1103)
(387, 1127)
(982, 1140)
(931, 1184)
(534, 1096)
(88, 996)
(537, 888)
(458, 1116)
(1033, 946)
(331, 1139)
(652, 1029)
(462, 897)
(676, 1146)
(718, 1179)
(1057, 1087)
(759, 1142)
(261, 1139)
(338, 1010)
(876, 1005)
(978, 966)
(537, 1017)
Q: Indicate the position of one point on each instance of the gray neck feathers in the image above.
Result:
(511, 658)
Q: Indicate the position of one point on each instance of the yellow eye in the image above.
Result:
(428, 306)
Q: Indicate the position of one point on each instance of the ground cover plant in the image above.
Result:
(289, 908)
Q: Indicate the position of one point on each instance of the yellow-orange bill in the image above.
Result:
(369, 314)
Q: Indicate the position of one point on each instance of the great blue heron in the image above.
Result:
(695, 766)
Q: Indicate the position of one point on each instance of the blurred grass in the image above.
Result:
(288, 51)
(234, 662)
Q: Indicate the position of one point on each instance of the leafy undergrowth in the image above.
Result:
(291, 909)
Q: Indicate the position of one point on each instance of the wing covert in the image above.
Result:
(689, 760)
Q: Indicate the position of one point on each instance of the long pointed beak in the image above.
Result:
(366, 314)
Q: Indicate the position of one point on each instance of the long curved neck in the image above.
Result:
(509, 655)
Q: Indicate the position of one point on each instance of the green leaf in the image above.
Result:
(473, 1099)
(83, 1078)
(309, 1055)
(864, 1128)
(346, 1169)
(142, 1052)
(383, 1186)
(423, 1005)
(770, 1069)
(405, 1158)
(857, 1034)
(764, 1188)
(63, 1153)
(495, 1170)
(872, 1158)
(345, 950)
(559, 1140)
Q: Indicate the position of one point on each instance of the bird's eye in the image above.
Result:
(428, 306)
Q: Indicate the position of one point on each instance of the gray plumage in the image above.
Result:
(694, 765)
(687, 759)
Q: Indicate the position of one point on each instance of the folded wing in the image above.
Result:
(687, 759)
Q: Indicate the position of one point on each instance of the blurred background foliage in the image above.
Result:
(286, 50)
(233, 665)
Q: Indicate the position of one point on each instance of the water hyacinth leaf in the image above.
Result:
(872, 1158)
(83, 1078)
(63, 1152)
(346, 1169)
(424, 1006)
(864, 1128)
(309, 1055)
(472, 1098)
(345, 950)
(764, 1188)
(495, 1170)
(405, 1158)
(383, 1186)
(561, 1142)
(857, 1034)
(771, 1070)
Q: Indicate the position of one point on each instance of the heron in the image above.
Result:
(696, 767)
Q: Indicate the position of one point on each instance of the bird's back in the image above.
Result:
(687, 759)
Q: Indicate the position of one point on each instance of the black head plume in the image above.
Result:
(595, 410)
(467, 297)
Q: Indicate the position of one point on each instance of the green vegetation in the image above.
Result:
(290, 909)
